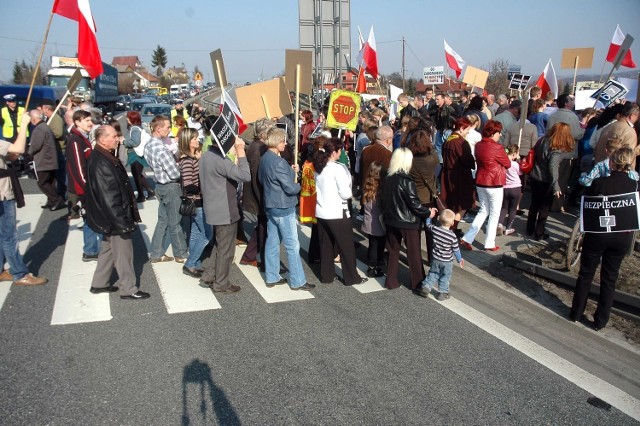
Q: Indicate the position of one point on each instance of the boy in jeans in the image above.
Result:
(445, 247)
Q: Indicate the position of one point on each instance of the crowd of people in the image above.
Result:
(419, 170)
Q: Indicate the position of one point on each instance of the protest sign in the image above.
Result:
(218, 68)
(266, 99)
(303, 58)
(579, 57)
(475, 76)
(513, 69)
(433, 75)
(519, 81)
(611, 213)
(608, 93)
(344, 108)
(225, 129)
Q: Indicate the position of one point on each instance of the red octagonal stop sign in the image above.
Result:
(343, 109)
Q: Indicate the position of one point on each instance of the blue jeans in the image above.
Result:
(9, 240)
(201, 234)
(285, 229)
(168, 227)
(91, 240)
(440, 273)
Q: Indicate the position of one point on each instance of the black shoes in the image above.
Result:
(89, 257)
(99, 290)
(140, 199)
(374, 272)
(59, 206)
(192, 272)
(541, 237)
(138, 295)
(362, 281)
(306, 287)
(282, 281)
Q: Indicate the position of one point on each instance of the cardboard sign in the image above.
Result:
(475, 76)
(581, 57)
(225, 129)
(317, 131)
(519, 81)
(433, 75)
(608, 93)
(344, 108)
(218, 68)
(74, 80)
(611, 213)
(267, 99)
(304, 59)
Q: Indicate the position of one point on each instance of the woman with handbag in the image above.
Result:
(457, 186)
(135, 148)
(423, 172)
(201, 231)
(491, 176)
(548, 154)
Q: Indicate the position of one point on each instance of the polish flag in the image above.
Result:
(226, 99)
(88, 52)
(614, 47)
(370, 55)
(547, 80)
(454, 60)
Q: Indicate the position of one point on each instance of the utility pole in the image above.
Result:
(403, 70)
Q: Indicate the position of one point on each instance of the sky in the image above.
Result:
(253, 34)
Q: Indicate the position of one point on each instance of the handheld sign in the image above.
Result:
(225, 130)
(612, 213)
(608, 93)
(475, 77)
(513, 69)
(265, 99)
(433, 75)
(303, 58)
(74, 80)
(344, 108)
(218, 68)
(519, 81)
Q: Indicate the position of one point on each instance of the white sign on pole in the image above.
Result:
(433, 75)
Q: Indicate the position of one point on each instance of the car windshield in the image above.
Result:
(156, 110)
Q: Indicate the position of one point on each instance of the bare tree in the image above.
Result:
(498, 81)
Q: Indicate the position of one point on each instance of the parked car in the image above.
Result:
(137, 104)
(150, 110)
(123, 103)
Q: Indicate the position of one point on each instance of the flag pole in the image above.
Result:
(35, 71)
(602, 71)
(297, 137)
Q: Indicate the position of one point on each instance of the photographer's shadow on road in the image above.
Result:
(197, 381)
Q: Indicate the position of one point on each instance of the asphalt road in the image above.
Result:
(486, 356)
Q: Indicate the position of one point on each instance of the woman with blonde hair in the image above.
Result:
(549, 152)
(189, 151)
(403, 216)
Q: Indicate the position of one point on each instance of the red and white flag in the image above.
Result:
(88, 52)
(236, 111)
(454, 60)
(614, 47)
(361, 87)
(548, 81)
(368, 56)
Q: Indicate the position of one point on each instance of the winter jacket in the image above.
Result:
(401, 206)
(492, 163)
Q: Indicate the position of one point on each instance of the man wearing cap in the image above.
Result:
(11, 197)
(9, 117)
(42, 147)
(178, 110)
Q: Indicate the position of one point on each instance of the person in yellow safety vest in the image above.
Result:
(9, 117)
(178, 110)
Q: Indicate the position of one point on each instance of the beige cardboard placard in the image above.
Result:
(267, 99)
(218, 68)
(302, 58)
(475, 76)
(584, 55)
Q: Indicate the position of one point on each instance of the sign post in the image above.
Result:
(575, 58)
(298, 78)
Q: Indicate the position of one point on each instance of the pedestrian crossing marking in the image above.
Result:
(26, 220)
(180, 292)
(279, 293)
(74, 303)
(373, 285)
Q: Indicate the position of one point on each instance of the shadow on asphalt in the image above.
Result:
(198, 383)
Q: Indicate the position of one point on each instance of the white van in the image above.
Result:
(175, 89)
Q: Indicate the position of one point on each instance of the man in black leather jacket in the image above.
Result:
(111, 210)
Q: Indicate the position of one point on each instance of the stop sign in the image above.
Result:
(344, 108)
